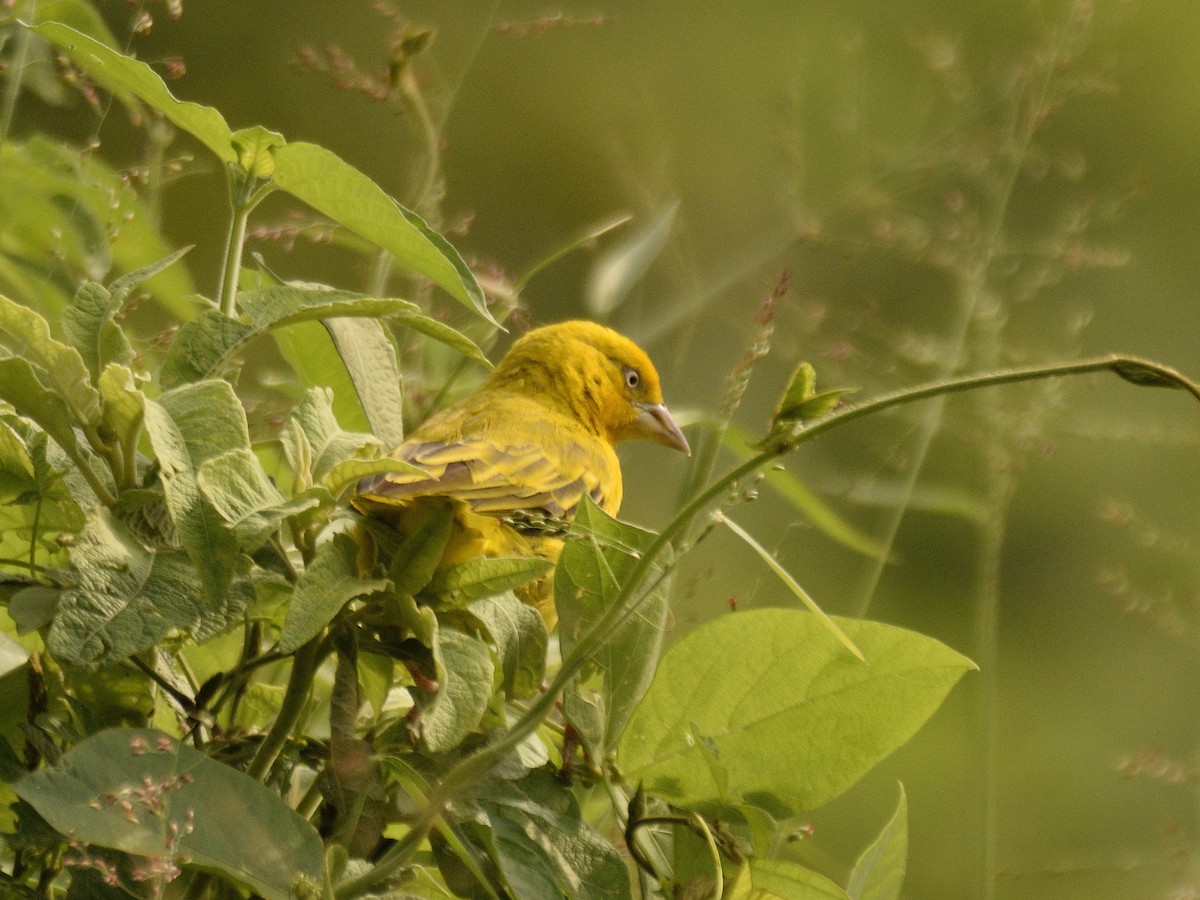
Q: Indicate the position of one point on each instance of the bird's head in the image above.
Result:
(595, 374)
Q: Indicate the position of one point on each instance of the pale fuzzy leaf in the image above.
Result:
(187, 426)
(519, 636)
(370, 359)
(328, 583)
(465, 678)
(238, 488)
(126, 597)
(63, 365)
(315, 425)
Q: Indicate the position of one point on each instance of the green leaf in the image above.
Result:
(416, 560)
(88, 324)
(20, 386)
(465, 677)
(879, 872)
(63, 365)
(328, 583)
(186, 427)
(596, 560)
(204, 345)
(370, 360)
(485, 576)
(125, 76)
(519, 636)
(37, 507)
(255, 149)
(333, 187)
(315, 443)
(124, 404)
(78, 14)
(791, 717)
(780, 878)
(125, 599)
(141, 792)
(201, 346)
(238, 488)
(309, 350)
(542, 845)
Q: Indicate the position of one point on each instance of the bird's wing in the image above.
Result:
(535, 468)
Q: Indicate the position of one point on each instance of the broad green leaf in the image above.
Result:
(63, 365)
(519, 636)
(126, 597)
(779, 878)
(315, 443)
(542, 845)
(773, 701)
(240, 491)
(328, 583)
(126, 76)
(141, 792)
(465, 677)
(370, 360)
(418, 557)
(285, 304)
(186, 427)
(485, 576)
(595, 562)
(879, 872)
(617, 270)
(333, 187)
(310, 351)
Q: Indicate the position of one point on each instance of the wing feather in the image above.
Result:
(501, 460)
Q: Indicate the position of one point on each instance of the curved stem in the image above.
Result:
(304, 666)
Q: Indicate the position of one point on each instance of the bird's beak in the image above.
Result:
(655, 423)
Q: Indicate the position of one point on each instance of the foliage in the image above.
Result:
(165, 568)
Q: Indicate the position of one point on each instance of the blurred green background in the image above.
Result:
(950, 186)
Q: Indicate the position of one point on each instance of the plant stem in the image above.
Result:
(295, 698)
(243, 198)
(626, 603)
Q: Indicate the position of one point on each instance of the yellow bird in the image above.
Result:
(535, 437)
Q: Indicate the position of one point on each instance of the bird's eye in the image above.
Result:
(632, 378)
